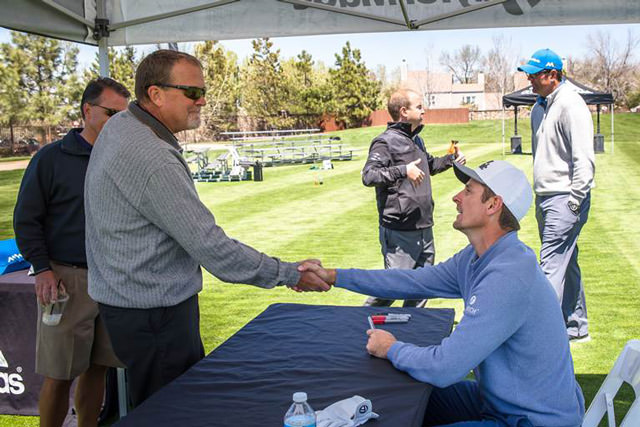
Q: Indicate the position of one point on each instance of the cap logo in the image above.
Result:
(532, 59)
(550, 64)
(485, 164)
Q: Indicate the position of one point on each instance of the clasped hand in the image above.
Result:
(314, 277)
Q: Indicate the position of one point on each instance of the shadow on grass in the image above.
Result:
(591, 383)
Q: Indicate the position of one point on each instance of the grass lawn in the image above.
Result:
(288, 216)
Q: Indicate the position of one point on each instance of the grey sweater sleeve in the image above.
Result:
(171, 202)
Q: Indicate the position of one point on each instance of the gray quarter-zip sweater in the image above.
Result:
(147, 232)
(562, 145)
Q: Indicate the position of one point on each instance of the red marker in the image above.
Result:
(381, 320)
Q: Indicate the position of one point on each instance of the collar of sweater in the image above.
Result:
(405, 128)
(71, 145)
(553, 95)
(156, 125)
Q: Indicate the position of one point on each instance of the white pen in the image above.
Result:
(370, 322)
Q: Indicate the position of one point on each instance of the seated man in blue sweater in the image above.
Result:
(512, 334)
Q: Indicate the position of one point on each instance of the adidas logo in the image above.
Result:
(10, 383)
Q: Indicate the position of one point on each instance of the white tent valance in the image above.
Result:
(130, 22)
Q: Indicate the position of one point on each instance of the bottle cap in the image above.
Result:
(300, 397)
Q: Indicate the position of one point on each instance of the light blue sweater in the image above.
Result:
(512, 333)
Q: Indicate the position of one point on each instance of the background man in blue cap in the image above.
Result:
(511, 334)
(563, 169)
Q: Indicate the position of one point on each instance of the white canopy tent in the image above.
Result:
(129, 22)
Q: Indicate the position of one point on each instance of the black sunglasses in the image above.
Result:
(110, 111)
(191, 92)
(539, 73)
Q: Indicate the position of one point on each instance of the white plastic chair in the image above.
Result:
(626, 369)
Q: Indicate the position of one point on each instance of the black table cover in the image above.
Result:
(249, 379)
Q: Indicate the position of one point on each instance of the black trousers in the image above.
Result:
(156, 345)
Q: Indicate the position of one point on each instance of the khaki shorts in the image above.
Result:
(66, 350)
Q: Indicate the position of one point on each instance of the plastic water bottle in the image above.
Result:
(300, 413)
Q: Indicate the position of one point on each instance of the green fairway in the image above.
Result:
(288, 216)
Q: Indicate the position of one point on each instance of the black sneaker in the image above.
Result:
(579, 338)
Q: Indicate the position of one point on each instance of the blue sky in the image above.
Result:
(416, 47)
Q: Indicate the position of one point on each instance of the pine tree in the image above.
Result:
(122, 67)
(46, 79)
(356, 92)
(221, 75)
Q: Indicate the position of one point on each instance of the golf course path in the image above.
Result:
(9, 166)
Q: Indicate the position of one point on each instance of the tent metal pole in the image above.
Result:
(612, 132)
(598, 115)
(502, 130)
(103, 37)
(170, 14)
(515, 116)
(405, 15)
(68, 12)
(103, 57)
(466, 10)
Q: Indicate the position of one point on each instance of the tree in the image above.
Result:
(611, 67)
(263, 86)
(221, 75)
(356, 92)
(13, 100)
(463, 63)
(389, 82)
(309, 90)
(502, 62)
(122, 67)
(46, 78)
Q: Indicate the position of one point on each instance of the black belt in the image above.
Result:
(82, 265)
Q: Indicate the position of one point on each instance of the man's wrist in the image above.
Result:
(573, 207)
(41, 270)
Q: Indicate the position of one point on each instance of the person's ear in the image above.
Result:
(495, 205)
(156, 95)
(86, 111)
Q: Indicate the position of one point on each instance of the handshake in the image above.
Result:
(313, 277)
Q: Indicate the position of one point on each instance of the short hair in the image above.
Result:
(506, 220)
(559, 75)
(94, 89)
(156, 68)
(398, 100)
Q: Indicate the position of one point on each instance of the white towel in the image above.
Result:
(350, 412)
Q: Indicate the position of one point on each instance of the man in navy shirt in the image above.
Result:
(512, 333)
(50, 232)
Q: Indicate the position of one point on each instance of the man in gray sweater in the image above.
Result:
(148, 233)
(563, 169)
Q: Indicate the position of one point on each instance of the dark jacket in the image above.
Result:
(401, 205)
(48, 219)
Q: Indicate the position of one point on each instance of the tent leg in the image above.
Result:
(612, 132)
(103, 57)
(103, 46)
(503, 131)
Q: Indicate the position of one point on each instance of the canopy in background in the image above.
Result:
(526, 96)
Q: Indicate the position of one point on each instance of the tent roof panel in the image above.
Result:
(270, 18)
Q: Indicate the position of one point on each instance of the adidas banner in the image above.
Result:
(19, 384)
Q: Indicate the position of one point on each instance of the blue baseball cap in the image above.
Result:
(543, 59)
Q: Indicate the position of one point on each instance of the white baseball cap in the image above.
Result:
(504, 179)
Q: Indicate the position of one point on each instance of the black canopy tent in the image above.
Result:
(527, 97)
